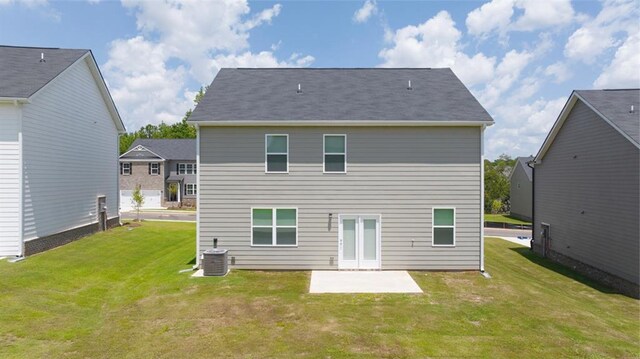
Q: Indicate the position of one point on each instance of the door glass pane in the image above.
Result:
(334, 144)
(286, 236)
(277, 163)
(286, 217)
(349, 239)
(370, 239)
(276, 144)
(443, 217)
(262, 217)
(443, 236)
(262, 236)
(334, 163)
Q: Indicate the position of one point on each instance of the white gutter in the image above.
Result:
(199, 170)
(482, 199)
(343, 123)
(15, 100)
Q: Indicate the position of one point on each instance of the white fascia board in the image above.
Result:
(345, 123)
(14, 100)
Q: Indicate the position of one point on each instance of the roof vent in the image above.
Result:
(632, 110)
(42, 57)
(299, 89)
(409, 86)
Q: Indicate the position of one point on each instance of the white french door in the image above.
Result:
(359, 242)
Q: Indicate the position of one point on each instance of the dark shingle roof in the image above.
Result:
(527, 170)
(338, 95)
(22, 73)
(615, 105)
(169, 149)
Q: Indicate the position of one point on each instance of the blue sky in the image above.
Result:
(520, 58)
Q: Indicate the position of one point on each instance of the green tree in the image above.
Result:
(137, 199)
(496, 182)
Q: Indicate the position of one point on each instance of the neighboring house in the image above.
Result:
(341, 169)
(58, 149)
(165, 169)
(521, 179)
(587, 188)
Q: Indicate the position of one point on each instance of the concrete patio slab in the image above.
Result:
(362, 282)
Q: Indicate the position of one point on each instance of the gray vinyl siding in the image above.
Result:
(590, 167)
(400, 173)
(521, 200)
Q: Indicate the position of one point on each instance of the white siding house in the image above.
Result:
(58, 148)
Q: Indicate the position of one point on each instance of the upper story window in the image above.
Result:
(154, 168)
(187, 168)
(125, 168)
(444, 227)
(335, 153)
(277, 153)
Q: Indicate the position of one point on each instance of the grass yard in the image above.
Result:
(503, 218)
(119, 294)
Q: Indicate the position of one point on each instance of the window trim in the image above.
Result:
(122, 171)
(157, 164)
(186, 189)
(324, 152)
(433, 226)
(273, 227)
(194, 168)
(266, 152)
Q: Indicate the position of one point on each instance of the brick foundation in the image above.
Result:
(56, 240)
(618, 284)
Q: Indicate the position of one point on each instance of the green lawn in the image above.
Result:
(503, 218)
(119, 294)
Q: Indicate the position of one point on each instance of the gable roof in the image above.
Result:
(613, 106)
(522, 162)
(243, 96)
(168, 149)
(24, 71)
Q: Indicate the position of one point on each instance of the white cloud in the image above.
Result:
(181, 42)
(41, 6)
(435, 43)
(522, 134)
(598, 34)
(497, 16)
(624, 70)
(543, 14)
(492, 16)
(559, 71)
(364, 13)
(507, 72)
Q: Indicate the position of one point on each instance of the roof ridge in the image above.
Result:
(335, 68)
(40, 48)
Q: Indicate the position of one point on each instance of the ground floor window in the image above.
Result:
(444, 226)
(274, 227)
(190, 189)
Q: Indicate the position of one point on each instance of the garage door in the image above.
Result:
(152, 199)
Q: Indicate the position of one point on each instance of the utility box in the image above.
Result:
(214, 262)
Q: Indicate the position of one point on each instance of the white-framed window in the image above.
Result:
(274, 227)
(276, 156)
(444, 226)
(187, 169)
(335, 153)
(190, 189)
(154, 168)
(125, 168)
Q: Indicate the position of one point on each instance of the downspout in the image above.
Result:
(531, 164)
(198, 191)
(482, 199)
(20, 178)
(118, 178)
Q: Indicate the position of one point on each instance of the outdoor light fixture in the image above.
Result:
(330, 216)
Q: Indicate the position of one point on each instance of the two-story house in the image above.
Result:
(520, 189)
(341, 169)
(165, 170)
(59, 132)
